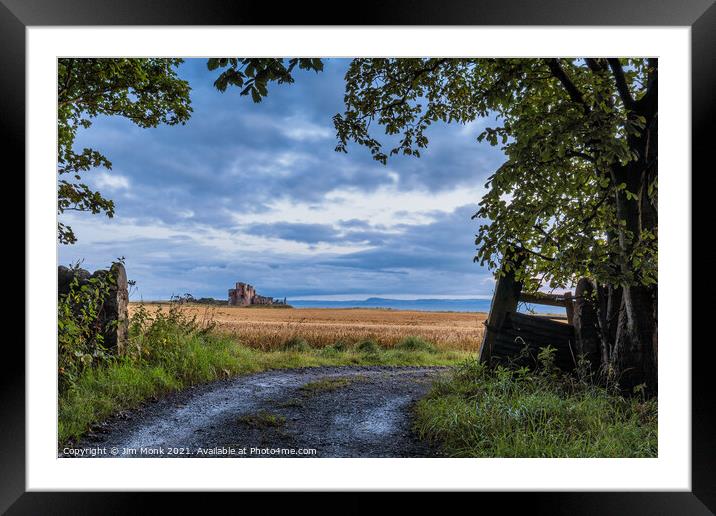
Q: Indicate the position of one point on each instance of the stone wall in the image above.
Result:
(114, 308)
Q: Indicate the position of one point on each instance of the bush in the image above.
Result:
(161, 337)
(416, 344)
(341, 346)
(368, 346)
(296, 344)
(328, 352)
(80, 330)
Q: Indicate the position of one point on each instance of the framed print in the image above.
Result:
(416, 249)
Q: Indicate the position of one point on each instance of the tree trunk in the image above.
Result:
(632, 357)
(586, 323)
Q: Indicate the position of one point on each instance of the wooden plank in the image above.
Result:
(563, 360)
(516, 319)
(569, 306)
(504, 300)
(551, 317)
(563, 357)
(508, 344)
(539, 335)
(537, 320)
(538, 340)
(541, 339)
(540, 298)
(520, 330)
(566, 332)
(507, 332)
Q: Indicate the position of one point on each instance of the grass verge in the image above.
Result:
(262, 419)
(325, 385)
(478, 412)
(169, 352)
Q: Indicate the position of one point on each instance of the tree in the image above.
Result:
(577, 195)
(254, 75)
(146, 91)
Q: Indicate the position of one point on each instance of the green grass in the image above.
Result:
(326, 385)
(368, 346)
(296, 344)
(416, 344)
(169, 353)
(290, 403)
(262, 419)
(479, 412)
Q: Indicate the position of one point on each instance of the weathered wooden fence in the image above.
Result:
(517, 337)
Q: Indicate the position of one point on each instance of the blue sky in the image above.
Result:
(256, 193)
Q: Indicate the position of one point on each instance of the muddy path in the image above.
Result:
(311, 412)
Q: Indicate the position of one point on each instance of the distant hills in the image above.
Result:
(426, 305)
(431, 305)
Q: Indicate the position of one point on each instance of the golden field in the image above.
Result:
(269, 328)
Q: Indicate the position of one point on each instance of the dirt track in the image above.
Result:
(336, 411)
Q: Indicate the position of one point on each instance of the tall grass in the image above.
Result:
(169, 350)
(509, 412)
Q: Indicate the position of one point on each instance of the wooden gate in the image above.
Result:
(514, 337)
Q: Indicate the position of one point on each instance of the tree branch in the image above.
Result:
(411, 86)
(68, 70)
(573, 92)
(648, 105)
(595, 65)
(521, 247)
(582, 155)
(622, 86)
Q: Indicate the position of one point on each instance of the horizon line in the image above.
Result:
(351, 297)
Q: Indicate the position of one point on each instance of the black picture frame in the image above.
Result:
(700, 15)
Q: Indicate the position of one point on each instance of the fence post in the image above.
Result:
(504, 300)
(569, 306)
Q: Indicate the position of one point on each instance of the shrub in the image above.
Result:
(160, 337)
(80, 330)
(296, 344)
(341, 345)
(368, 346)
(328, 352)
(416, 344)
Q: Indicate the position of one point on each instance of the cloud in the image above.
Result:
(386, 207)
(256, 192)
(309, 233)
(447, 243)
(297, 128)
(322, 233)
(111, 181)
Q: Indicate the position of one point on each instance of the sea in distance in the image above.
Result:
(427, 305)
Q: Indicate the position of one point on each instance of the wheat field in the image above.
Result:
(270, 328)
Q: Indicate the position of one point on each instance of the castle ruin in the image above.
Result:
(244, 294)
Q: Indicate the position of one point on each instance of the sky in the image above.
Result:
(256, 193)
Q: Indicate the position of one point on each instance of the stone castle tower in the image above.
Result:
(244, 294)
